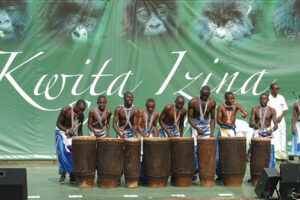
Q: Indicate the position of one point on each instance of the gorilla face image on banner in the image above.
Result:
(13, 20)
(75, 21)
(150, 18)
(286, 19)
(225, 21)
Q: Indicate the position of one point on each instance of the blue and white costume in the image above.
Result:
(127, 133)
(204, 125)
(64, 151)
(101, 131)
(296, 140)
(174, 130)
(63, 143)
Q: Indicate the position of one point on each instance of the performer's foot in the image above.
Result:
(194, 178)
(72, 179)
(219, 178)
(62, 179)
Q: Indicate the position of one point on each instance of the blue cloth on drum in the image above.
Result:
(172, 129)
(64, 154)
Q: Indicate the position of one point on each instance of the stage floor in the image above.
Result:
(43, 184)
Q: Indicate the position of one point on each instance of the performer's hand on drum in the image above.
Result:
(229, 124)
(256, 126)
(269, 132)
(200, 131)
(70, 131)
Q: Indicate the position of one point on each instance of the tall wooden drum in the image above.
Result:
(182, 159)
(206, 150)
(110, 161)
(132, 161)
(260, 157)
(157, 161)
(84, 160)
(232, 155)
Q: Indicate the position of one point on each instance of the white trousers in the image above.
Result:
(279, 141)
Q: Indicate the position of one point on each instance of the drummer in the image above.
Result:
(99, 118)
(65, 130)
(263, 116)
(125, 118)
(201, 116)
(147, 122)
(172, 116)
(226, 116)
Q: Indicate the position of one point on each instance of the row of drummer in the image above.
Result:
(129, 122)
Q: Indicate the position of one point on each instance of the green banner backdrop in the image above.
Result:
(53, 53)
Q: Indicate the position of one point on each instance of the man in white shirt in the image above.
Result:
(277, 102)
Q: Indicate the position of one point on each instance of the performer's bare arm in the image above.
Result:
(212, 119)
(135, 121)
(90, 122)
(244, 113)
(181, 121)
(274, 122)
(115, 121)
(295, 110)
(140, 122)
(155, 123)
(107, 125)
(191, 108)
(252, 119)
(80, 122)
(162, 117)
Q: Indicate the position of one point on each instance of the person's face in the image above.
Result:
(101, 103)
(263, 100)
(150, 107)
(275, 89)
(79, 109)
(179, 103)
(204, 95)
(128, 99)
(229, 99)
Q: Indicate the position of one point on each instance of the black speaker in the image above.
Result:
(290, 180)
(267, 183)
(13, 184)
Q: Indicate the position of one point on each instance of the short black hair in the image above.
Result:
(264, 94)
(272, 85)
(228, 94)
(101, 97)
(180, 97)
(127, 93)
(205, 88)
(150, 100)
(81, 102)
